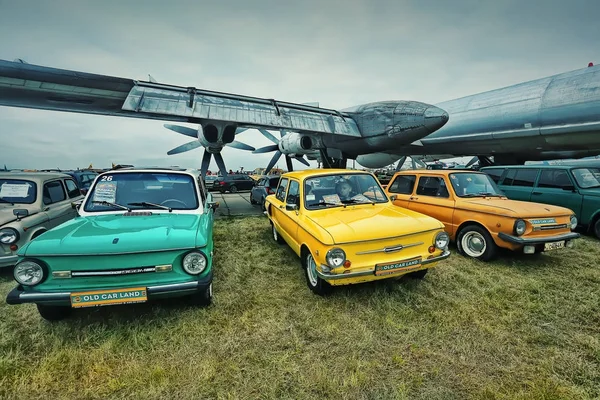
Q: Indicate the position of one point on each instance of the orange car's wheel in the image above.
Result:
(314, 282)
(474, 241)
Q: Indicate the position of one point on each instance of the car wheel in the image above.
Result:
(276, 236)
(263, 205)
(203, 297)
(233, 189)
(476, 242)
(418, 274)
(252, 199)
(597, 228)
(314, 282)
(54, 313)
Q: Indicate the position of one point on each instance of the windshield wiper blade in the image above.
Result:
(325, 203)
(356, 201)
(108, 203)
(146, 204)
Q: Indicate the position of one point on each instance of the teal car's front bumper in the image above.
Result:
(19, 296)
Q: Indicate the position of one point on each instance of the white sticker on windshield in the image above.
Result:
(310, 197)
(331, 198)
(14, 190)
(105, 191)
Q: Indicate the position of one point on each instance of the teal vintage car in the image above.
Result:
(140, 234)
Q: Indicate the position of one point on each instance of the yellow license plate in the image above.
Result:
(397, 266)
(108, 297)
(554, 245)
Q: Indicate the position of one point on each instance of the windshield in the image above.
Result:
(587, 177)
(341, 189)
(17, 191)
(468, 184)
(142, 190)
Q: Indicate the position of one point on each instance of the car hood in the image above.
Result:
(514, 208)
(117, 233)
(371, 222)
(6, 212)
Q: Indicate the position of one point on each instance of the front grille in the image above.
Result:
(549, 227)
(128, 271)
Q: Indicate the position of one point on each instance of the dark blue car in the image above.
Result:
(83, 178)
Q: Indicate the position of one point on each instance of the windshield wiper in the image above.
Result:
(108, 203)
(146, 204)
(485, 194)
(325, 203)
(355, 201)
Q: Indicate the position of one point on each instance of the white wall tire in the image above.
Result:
(314, 282)
(475, 242)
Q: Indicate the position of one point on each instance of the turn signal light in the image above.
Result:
(14, 247)
(347, 264)
(431, 249)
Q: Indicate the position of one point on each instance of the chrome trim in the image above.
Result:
(390, 249)
(126, 271)
(329, 277)
(550, 227)
(7, 261)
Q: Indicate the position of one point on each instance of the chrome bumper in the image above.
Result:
(538, 240)
(19, 296)
(8, 261)
(329, 277)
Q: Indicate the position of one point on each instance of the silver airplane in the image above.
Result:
(544, 119)
(304, 129)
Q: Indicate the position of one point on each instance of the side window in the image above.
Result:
(262, 182)
(510, 177)
(403, 184)
(293, 196)
(495, 173)
(525, 177)
(53, 192)
(432, 186)
(202, 189)
(281, 189)
(72, 188)
(554, 179)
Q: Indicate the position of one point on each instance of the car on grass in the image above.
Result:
(140, 234)
(346, 231)
(32, 203)
(263, 187)
(478, 216)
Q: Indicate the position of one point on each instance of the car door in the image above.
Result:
(279, 205)
(432, 197)
(257, 191)
(57, 205)
(289, 218)
(402, 187)
(518, 183)
(556, 187)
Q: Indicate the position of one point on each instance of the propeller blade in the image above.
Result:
(184, 147)
(239, 145)
(266, 149)
(205, 163)
(240, 130)
(184, 130)
(288, 162)
(472, 161)
(302, 160)
(282, 132)
(221, 164)
(268, 135)
(273, 161)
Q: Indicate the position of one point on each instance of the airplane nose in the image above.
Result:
(435, 118)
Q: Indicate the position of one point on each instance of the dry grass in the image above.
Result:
(521, 327)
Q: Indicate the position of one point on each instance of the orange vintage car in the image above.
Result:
(478, 216)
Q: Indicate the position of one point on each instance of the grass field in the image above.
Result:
(521, 327)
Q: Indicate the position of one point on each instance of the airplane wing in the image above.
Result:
(33, 86)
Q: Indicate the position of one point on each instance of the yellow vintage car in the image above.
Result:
(478, 216)
(346, 231)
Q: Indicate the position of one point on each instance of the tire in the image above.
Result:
(418, 274)
(276, 236)
(315, 284)
(233, 189)
(54, 313)
(597, 228)
(252, 199)
(202, 298)
(475, 242)
(262, 204)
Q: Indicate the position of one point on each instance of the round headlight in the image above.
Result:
(442, 239)
(194, 263)
(573, 222)
(335, 257)
(28, 273)
(8, 235)
(520, 227)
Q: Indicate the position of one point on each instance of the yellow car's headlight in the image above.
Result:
(442, 239)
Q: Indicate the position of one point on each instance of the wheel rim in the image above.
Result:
(474, 244)
(275, 236)
(311, 270)
(233, 189)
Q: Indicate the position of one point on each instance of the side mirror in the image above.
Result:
(291, 207)
(20, 212)
(213, 205)
(393, 197)
(76, 204)
(569, 188)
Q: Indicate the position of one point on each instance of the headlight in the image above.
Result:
(335, 257)
(573, 222)
(519, 227)
(8, 236)
(28, 273)
(442, 239)
(194, 263)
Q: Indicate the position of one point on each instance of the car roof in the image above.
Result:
(308, 173)
(534, 166)
(193, 172)
(438, 171)
(33, 175)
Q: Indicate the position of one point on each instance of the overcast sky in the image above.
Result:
(339, 53)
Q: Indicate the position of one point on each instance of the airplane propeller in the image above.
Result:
(277, 155)
(206, 157)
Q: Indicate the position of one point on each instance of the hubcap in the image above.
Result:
(311, 269)
(473, 243)
(274, 232)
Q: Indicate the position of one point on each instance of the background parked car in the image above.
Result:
(233, 183)
(209, 181)
(32, 203)
(83, 178)
(265, 186)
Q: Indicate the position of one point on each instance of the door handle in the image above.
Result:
(414, 198)
(281, 206)
(536, 192)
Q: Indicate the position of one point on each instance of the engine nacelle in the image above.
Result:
(298, 143)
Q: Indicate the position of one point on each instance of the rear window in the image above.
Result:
(273, 182)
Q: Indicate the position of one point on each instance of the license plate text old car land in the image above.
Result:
(390, 268)
(108, 297)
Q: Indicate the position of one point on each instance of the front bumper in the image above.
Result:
(19, 296)
(8, 261)
(538, 240)
(328, 276)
